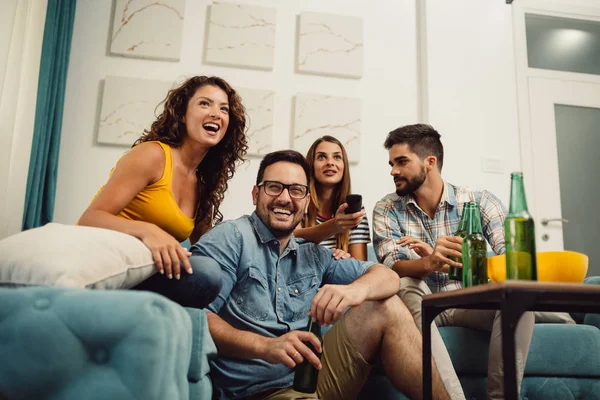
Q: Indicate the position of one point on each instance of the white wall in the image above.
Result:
(472, 92)
(387, 89)
(470, 86)
(21, 36)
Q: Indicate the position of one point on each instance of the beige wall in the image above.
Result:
(21, 34)
(388, 91)
(469, 86)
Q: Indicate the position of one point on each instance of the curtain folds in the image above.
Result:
(43, 165)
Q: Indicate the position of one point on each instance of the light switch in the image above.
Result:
(492, 165)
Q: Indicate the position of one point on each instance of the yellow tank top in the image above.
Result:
(156, 204)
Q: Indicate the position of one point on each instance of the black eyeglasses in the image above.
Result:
(274, 188)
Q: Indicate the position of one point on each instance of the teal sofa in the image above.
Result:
(78, 344)
(74, 344)
(563, 362)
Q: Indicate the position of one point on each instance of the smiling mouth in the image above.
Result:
(283, 211)
(211, 127)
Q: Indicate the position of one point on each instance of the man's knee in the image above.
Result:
(412, 291)
(392, 309)
(413, 287)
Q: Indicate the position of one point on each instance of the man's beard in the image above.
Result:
(279, 232)
(411, 184)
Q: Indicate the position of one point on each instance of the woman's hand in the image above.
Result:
(343, 221)
(420, 247)
(340, 254)
(168, 254)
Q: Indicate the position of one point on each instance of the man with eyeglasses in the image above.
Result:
(272, 283)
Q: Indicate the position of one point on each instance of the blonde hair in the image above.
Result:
(342, 189)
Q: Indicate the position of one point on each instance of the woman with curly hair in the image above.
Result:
(170, 185)
(326, 222)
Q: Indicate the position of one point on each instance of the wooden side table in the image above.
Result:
(512, 298)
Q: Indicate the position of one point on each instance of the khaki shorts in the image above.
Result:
(344, 371)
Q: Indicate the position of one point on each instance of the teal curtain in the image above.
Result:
(56, 48)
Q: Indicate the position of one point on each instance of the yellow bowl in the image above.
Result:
(552, 266)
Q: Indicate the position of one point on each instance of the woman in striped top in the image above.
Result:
(326, 222)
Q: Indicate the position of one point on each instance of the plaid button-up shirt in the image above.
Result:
(395, 217)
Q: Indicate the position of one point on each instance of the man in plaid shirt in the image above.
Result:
(413, 232)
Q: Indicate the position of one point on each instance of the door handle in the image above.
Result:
(545, 220)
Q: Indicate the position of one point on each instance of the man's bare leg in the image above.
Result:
(411, 293)
(386, 328)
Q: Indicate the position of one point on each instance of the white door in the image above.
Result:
(564, 165)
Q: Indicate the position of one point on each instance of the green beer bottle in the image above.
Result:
(519, 234)
(474, 250)
(306, 375)
(454, 272)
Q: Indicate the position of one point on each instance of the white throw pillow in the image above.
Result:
(74, 256)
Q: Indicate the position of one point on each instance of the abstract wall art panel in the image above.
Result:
(128, 107)
(259, 107)
(241, 36)
(148, 29)
(330, 45)
(318, 115)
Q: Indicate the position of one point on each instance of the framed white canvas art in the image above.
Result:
(128, 107)
(148, 29)
(319, 115)
(259, 107)
(241, 36)
(330, 45)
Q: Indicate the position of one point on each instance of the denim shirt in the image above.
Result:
(265, 293)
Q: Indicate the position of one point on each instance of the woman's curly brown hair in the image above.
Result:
(219, 164)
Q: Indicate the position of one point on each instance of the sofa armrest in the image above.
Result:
(586, 318)
(592, 280)
(592, 319)
(203, 351)
(70, 344)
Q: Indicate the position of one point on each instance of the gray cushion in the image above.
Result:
(74, 256)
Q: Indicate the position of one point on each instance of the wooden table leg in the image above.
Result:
(427, 317)
(512, 307)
